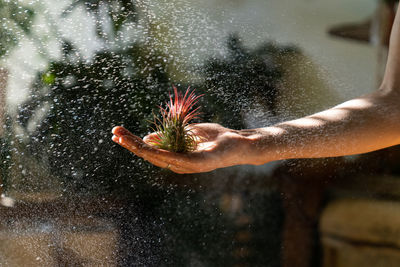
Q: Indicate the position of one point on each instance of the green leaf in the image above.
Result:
(49, 78)
(23, 17)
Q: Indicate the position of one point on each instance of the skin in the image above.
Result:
(361, 125)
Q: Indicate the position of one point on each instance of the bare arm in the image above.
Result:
(361, 125)
(357, 126)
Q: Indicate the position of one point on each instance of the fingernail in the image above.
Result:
(114, 129)
(115, 139)
(118, 130)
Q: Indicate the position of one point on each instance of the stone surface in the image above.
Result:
(344, 254)
(80, 242)
(361, 232)
(363, 220)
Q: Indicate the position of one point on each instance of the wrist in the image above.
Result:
(263, 145)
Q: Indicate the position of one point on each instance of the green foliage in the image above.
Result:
(5, 154)
(84, 101)
(173, 128)
(120, 12)
(174, 136)
(16, 22)
(242, 78)
(80, 101)
(49, 78)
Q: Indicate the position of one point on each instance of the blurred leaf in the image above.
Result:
(23, 17)
(244, 78)
(86, 100)
(17, 20)
(7, 40)
(120, 12)
(49, 78)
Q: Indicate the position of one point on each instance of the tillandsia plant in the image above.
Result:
(173, 131)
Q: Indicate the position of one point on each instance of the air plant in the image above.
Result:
(173, 130)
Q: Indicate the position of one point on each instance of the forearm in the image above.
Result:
(357, 126)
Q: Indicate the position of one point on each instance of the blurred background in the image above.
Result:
(72, 70)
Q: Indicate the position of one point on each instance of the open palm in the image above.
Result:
(217, 147)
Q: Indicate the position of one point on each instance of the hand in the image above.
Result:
(218, 147)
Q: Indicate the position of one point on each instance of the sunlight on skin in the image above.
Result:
(356, 104)
(205, 146)
(361, 125)
(305, 122)
(346, 129)
(337, 113)
(318, 135)
(256, 134)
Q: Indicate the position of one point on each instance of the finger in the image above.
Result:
(161, 163)
(132, 143)
(135, 146)
(167, 166)
(120, 131)
(148, 152)
(180, 171)
(185, 162)
(179, 162)
(174, 168)
(151, 137)
(115, 139)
